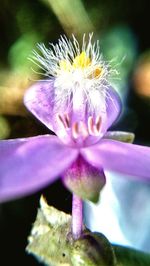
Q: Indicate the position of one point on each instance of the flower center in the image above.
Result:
(79, 131)
(81, 62)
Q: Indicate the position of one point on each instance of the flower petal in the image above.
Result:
(126, 158)
(39, 99)
(114, 106)
(27, 165)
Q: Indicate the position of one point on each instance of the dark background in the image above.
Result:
(23, 23)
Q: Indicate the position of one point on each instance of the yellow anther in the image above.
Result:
(96, 73)
(65, 65)
(81, 61)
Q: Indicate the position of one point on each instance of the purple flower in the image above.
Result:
(78, 104)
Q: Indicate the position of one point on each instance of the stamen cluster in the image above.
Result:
(75, 68)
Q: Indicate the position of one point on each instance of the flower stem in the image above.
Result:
(77, 216)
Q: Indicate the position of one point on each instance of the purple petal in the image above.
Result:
(27, 165)
(39, 99)
(129, 159)
(114, 106)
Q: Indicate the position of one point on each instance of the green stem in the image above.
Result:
(77, 216)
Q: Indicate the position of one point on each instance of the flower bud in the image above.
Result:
(84, 180)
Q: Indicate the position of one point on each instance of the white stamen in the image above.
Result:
(94, 128)
(65, 80)
(75, 130)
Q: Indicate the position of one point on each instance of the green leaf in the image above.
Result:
(52, 243)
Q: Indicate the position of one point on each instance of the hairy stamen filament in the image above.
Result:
(76, 67)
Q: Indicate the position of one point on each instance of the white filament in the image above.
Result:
(95, 88)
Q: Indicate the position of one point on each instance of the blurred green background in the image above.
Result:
(122, 28)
